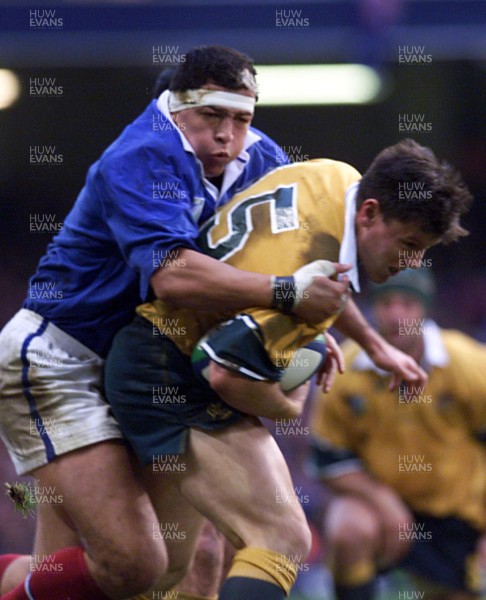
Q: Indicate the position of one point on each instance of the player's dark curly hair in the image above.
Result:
(163, 80)
(412, 184)
(212, 64)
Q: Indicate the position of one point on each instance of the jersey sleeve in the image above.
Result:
(237, 345)
(282, 335)
(148, 210)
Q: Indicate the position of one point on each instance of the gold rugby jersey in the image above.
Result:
(429, 447)
(290, 217)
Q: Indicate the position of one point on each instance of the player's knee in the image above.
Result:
(359, 530)
(302, 541)
(293, 534)
(132, 570)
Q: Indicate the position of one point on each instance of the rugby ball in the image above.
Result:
(304, 364)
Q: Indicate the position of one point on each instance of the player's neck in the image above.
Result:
(217, 181)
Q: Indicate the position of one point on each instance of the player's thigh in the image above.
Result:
(239, 479)
(107, 504)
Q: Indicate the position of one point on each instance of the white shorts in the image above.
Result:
(51, 399)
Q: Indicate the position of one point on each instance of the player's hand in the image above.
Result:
(319, 297)
(403, 367)
(334, 362)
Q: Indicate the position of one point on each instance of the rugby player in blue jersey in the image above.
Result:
(191, 150)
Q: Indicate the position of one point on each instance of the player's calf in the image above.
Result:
(204, 576)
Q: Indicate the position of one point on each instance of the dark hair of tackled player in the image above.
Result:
(405, 177)
(219, 65)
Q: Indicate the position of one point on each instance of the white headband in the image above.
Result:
(202, 97)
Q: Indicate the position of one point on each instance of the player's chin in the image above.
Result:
(381, 275)
(378, 276)
(213, 172)
(215, 166)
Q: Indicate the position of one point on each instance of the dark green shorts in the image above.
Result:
(444, 551)
(155, 395)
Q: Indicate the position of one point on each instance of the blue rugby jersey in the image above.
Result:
(142, 199)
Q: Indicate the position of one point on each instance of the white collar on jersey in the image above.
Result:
(232, 171)
(435, 352)
(348, 254)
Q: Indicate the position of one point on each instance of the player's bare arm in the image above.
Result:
(258, 398)
(352, 323)
(203, 282)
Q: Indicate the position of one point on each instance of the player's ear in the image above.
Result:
(369, 212)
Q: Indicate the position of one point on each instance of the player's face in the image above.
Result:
(216, 133)
(385, 248)
(399, 318)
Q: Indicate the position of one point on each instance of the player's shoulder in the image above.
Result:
(324, 167)
(265, 145)
(463, 349)
(324, 176)
(318, 172)
(333, 168)
(149, 139)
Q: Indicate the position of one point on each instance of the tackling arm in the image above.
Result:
(206, 283)
(202, 282)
